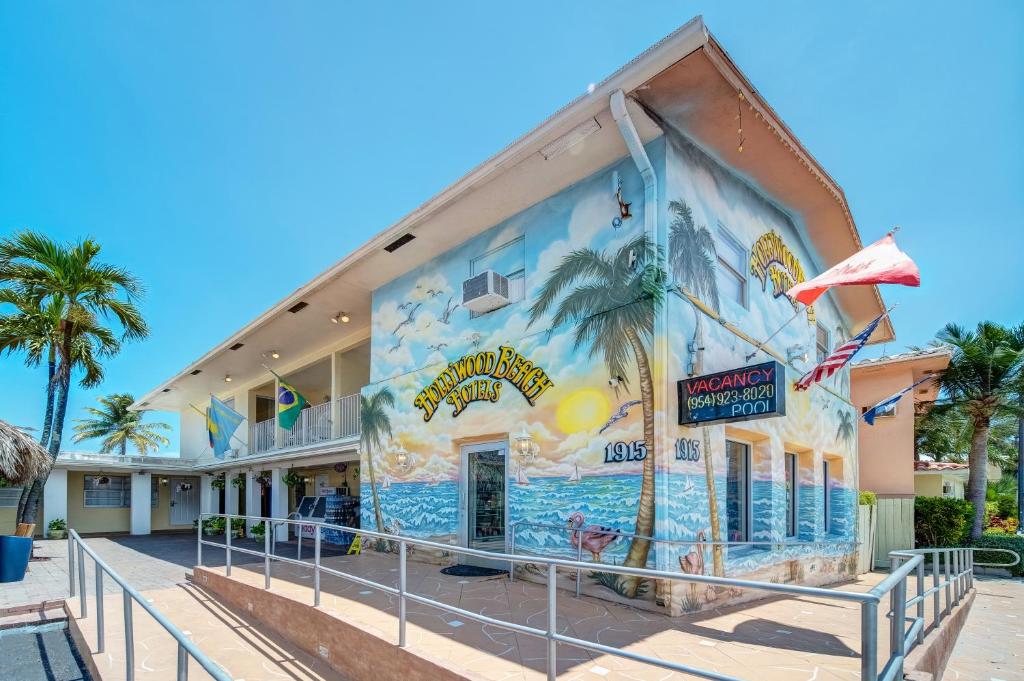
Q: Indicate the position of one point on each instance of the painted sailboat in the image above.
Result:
(575, 475)
(521, 478)
(386, 482)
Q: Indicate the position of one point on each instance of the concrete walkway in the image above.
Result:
(991, 644)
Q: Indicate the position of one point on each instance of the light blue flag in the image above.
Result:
(221, 423)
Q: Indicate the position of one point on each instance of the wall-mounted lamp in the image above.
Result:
(163, 481)
(402, 458)
(525, 446)
(341, 317)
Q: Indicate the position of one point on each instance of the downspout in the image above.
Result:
(634, 145)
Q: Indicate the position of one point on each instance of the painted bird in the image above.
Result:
(622, 413)
(594, 538)
(693, 562)
(408, 319)
(446, 316)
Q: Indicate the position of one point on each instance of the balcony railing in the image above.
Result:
(261, 436)
(314, 425)
(348, 415)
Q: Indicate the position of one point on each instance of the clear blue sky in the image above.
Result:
(228, 152)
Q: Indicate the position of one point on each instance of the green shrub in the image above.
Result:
(1000, 541)
(941, 521)
(58, 525)
(1006, 505)
(866, 498)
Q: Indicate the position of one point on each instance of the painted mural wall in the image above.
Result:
(717, 227)
(579, 361)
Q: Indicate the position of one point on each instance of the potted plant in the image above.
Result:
(214, 526)
(238, 480)
(263, 479)
(258, 531)
(218, 482)
(290, 479)
(57, 529)
(237, 528)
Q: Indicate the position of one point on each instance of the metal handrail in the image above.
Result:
(894, 585)
(186, 648)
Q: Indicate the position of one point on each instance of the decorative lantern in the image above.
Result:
(402, 458)
(525, 446)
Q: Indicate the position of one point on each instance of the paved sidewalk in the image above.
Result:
(991, 644)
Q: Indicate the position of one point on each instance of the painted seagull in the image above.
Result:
(407, 320)
(622, 413)
(405, 306)
(438, 347)
(446, 316)
(433, 293)
(394, 348)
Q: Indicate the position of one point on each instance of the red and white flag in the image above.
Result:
(880, 263)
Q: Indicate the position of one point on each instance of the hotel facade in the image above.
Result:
(568, 352)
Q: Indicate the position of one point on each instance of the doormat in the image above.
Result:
(471, 571)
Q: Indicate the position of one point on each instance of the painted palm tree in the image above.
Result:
(118, 426)
(846, 429)
(376, 430)
(984, 379)
(612, 307)
(84, 294)
(692, 258)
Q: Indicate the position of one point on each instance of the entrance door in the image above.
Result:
(485, 504)
(184, 501)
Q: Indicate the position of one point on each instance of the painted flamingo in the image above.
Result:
(594, 538)
(693, 562)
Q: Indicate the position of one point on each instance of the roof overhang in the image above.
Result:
(519, 176)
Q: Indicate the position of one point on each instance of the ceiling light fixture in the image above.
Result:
(275, 354)
(227, 378)
(341, 317)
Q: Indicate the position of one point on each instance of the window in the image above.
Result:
(827, 505)
(947, 489)
(731, 269)
(737, 490)
(509, 260)
(791, 481)
(108, 491)
(154, 491)
(9, 497)
(822, 343)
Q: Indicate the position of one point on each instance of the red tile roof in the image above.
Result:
(939, 466)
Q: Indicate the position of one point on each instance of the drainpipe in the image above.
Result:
(631, 137)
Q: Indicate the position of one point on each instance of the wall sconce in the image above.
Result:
(163, 481)
(402, 459)
(525, 446)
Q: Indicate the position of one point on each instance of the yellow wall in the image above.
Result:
(93, 519)
(928, 485)
(161, 515)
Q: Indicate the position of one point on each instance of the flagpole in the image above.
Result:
(760, 345)
(200, 412)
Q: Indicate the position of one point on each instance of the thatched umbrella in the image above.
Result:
(21, 457)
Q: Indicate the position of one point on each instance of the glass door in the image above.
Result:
(485, 491)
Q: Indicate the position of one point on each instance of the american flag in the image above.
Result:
(839, 357)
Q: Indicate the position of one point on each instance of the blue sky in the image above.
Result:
(228, 152)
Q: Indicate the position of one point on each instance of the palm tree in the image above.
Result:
(612, 307)
(692, 258)
(944, 433)
(375, 431)
(846, 429)
(118, 425)
(984, 379)
(85, 293)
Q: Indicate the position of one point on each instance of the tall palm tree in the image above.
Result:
(33, 329)
(118, 426)
(692, 259)
(375, 431)
(612, 307)
(944, 433)
(87, 293)
(983, 378)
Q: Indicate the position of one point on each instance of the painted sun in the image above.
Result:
(582, 410)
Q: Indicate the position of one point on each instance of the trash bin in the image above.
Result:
(14, 555)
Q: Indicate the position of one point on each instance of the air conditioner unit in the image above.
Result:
(485, 292)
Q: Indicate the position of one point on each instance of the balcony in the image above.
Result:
(337, 420)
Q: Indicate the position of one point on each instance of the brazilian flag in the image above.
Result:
(289, 405)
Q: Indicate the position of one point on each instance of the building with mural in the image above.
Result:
(570, 351)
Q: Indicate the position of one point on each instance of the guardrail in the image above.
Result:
(959, 573)
(186, 648)
(771, 545)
